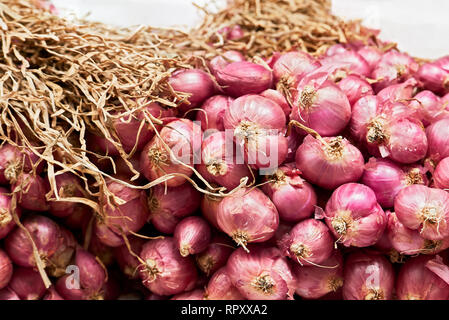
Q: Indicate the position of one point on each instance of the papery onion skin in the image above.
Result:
(92, 276)
(6, 269)
(61, 258)
(441, 174)
(106, 235)
(215, 255)
(329, 166)
(316, 281)
(368, 277)
(13, 161)
(222, 61)
(248, 215)
(354, 216)
(67, 186)
(355, 87)
(220, 287)
(416, 282)
(291, 67)
(429, 107)
(27, 284)
(294, 198)
(424, 209)
(433, 78)
(127, 262)
(294, 140)
(397, 92)
(6, 216)
(212, 112)
(277, 97)
(372, 55)
(31, 192)
(165, 271)
(438, 138)
(192, 235)
(308, 243)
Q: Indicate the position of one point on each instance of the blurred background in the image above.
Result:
(419, 27)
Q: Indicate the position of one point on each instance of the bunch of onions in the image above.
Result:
(353, 61)
(438, 137)
(243, 77)
(371, 54)
(394, 67)
(215, 255)
(409, 242)
(220, 287)
(386, 179)
(355, 87)
(314, 282)
(209, 209)
(294, 198)
(441, 174)
(354, 216)
(67, 186)
(164, 271)
(388, 130)
(14, 160)
(368, 277)
(27, 284)
(192, 235)
(169, 205)
(127, 262)
(248, 216)
(424, 209)
(6, 215)
(219, 164)
(419, 279)
(434, 78)
(197, 83)
(321, 105)
(258, 126)
(172, 153)
(31, 190)
(329, 162)
(308, 243)
(429, 107)
(261, 275)
(212, 112)
(6, 269)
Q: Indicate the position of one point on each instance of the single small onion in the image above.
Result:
(14, 160)
(106, 235)
(438, 137)
(27, 284)
(294, 198)
(329, 162)
(429, 107)
(219, 164)
(353, 61)
(434, 78)
(192, 235)
(397, 92)
(6, 269)
(314, 282)
(417, 282)
(67, 186)
(354, 216)
(368, 277)
(165, 271)
(336, 49)
(195, 82)
(169, 205)
(6, 215)
(220, 287)
(215, 255)
(209, 209)
(212, 112)
(243, 77)
(441, 174)
(371, 54)
(127, 262)
(223, 60)
(92, 276)
(355, 87)
(308, 243)
(183, 138)
(277, 97)
(424, 209)
(31, 192)
(247, 216)
(258, 126)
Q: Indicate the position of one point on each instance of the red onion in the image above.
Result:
(372, 55)
(102, 251)
(294, 198)
(329, 162)
(243, 77)
(336, 49)
(314, 282)
(197, 294)
(31, 192)
(67, 186)
(429, 107)
(192, 235)
(443, 63)
(277, 97)
(294, 140)
(58, 261)
(386, 179)
(368, 277)
(248, 216)
(219, 164)
(6, 269)
(235, 33)
(126, 261)
(169, 205)
(14, 160)
(321, 105)
(212, 112)
(258, 126)
(106, 235)
(417, 282)
(425, 209)
(195, 82)
(354, 62)
(394, 67)
(122, 168)
(441, 174)
(183, 137)
(308, 243)
(8, 294)
(79, 218)
(434, 78)
(220, 287)
(52, 294)
(354, 216)
(355, 87)
(27, 284)
(69, 288)
(438, 137)
(165, 271)
(258, 277)
(92, 276)
(6, 218)
(397, 92)
(215, 255)
(227, 57)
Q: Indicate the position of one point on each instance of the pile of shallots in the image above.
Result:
(296, 177)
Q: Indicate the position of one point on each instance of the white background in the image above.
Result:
(419, 27)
